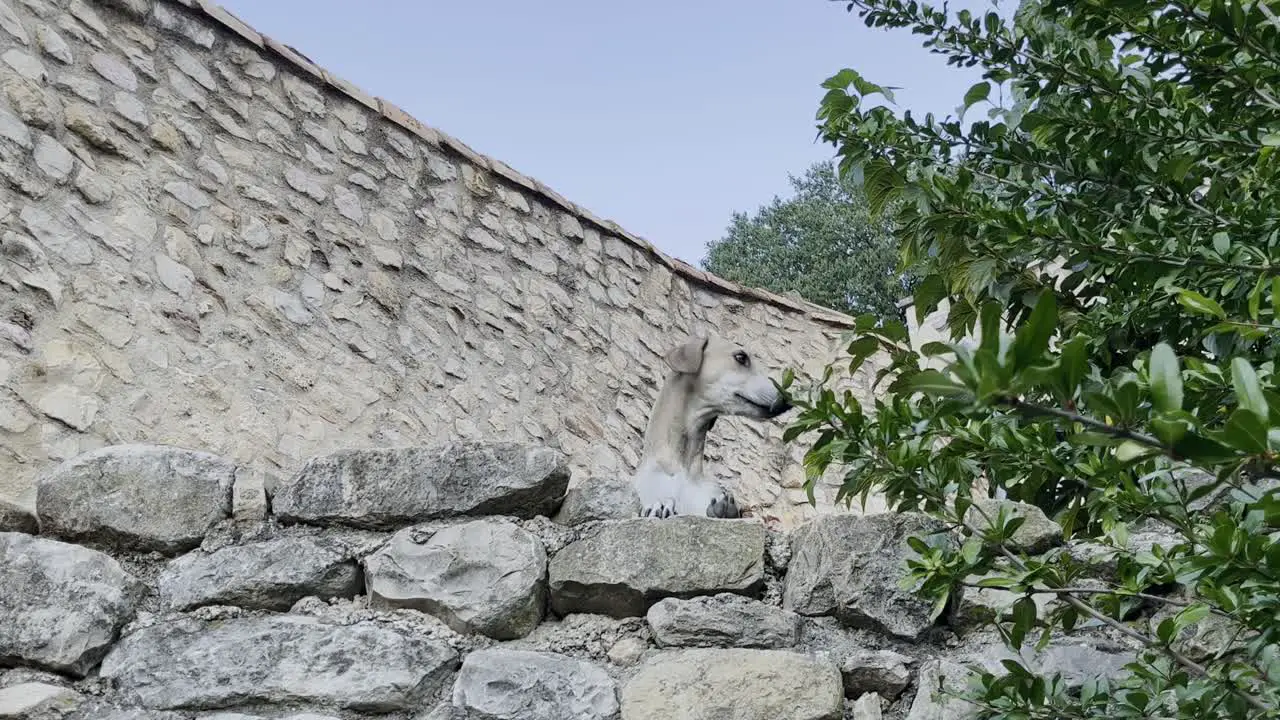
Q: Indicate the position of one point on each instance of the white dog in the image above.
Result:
(709, 377)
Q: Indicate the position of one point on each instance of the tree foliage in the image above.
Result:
(1109, 247)
(821, 244)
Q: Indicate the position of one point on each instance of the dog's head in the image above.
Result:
(727, 380)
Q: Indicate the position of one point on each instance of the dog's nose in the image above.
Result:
(779, 406)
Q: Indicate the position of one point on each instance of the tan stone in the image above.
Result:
(700, 684)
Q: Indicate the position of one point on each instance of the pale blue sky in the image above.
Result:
(665, 116)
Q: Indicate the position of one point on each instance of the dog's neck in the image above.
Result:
(677, 433)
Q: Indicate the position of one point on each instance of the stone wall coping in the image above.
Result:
(226, 19)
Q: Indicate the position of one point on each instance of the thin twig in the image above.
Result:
(1088, 422)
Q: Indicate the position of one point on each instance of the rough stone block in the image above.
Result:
(507, 684)
(930, 704)
(882, 672)
(188, 665)
(62, 604)
(705, 684)
(625, 566)
(268, 575)
(487, 576)
(1037, 533)
(850, 567)
(395, 487)
(724, 620)
(137, 497)
(599, 498)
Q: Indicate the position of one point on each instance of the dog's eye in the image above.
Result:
(742, 358)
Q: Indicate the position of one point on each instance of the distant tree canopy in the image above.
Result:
(821, 243)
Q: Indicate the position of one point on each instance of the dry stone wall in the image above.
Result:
(207, 241)
(483, 610)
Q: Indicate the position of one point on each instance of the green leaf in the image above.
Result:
(849, 76)
(915, 543)
(996, 582)
(1201, 449)
(1024, 618)
(1248, 391)
(928, 292)
(989, 326)
(1245, 432)
(1255, 298)
(930, 382)
(1075, 361)
(1271, 139)
(1166, 378)
(1130, 451)
(1104, 405)
(1032, 339)
(881, 183)
(1169, 431)
(861, 349)
(934, 349)
(1191, 615)
(976, 94)
(1198, 303)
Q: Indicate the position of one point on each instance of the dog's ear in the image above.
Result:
(687, 358)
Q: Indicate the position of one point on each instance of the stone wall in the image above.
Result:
(206, 240)
(412, 584)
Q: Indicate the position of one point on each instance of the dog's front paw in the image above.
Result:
(660, 509)
(723, 505)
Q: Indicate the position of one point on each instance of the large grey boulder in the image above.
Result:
(15, 518)
(502, 684)
(268, 575)
(136, 497)
(61, 605)
(625, 566)
(599, 498)
(485, 576)
(365, 667)
(707, 684)
(1037, 533)
(850, 567)
(393, 487)
(723, 620)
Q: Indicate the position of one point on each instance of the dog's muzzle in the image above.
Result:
(778, 407)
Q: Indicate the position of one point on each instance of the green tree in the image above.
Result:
(821, 244)
(1134, 386)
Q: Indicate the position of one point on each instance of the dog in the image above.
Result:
(709, 377)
